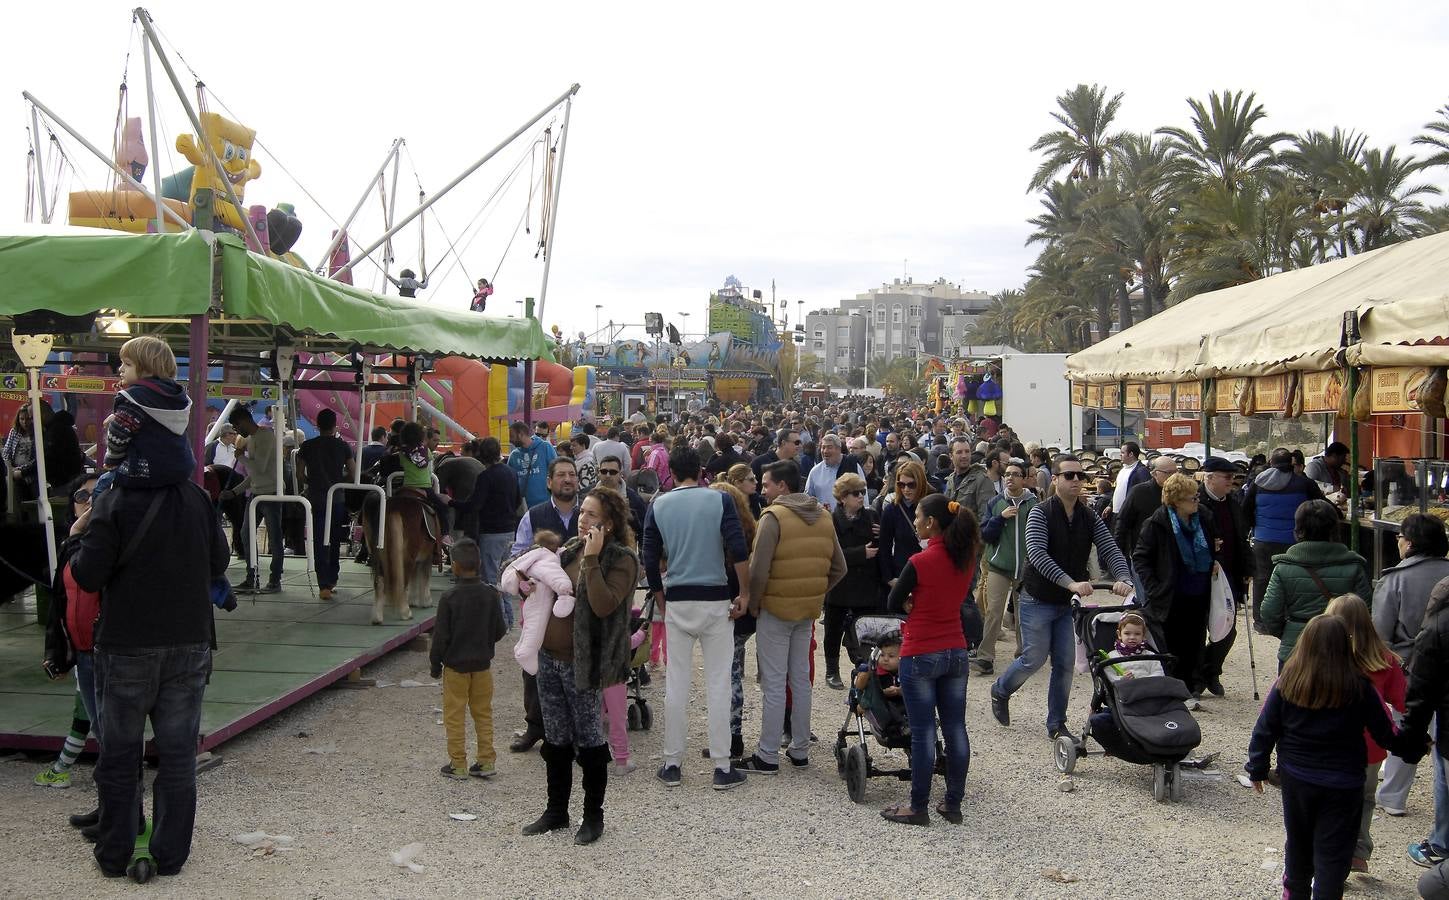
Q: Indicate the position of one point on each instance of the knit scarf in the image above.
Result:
(1191, 542)
(1124, 650)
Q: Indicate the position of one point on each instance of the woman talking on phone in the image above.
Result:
(582, 654)
(860, 591)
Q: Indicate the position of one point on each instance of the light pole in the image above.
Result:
(685, 334)
(597, 307)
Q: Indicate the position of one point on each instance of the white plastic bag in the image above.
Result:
(1221, 612)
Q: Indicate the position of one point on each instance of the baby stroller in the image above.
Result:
(641, 717)
(852, 760)
(1139, 720)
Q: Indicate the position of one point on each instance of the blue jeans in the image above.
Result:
(85, 683)
(494, 549)
(1439, 837)
(327, 560)
(934, 684)
(1046, 629)
(164, 684)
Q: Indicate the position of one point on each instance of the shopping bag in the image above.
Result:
(1220, 607)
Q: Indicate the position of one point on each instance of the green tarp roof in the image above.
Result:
(169, 275)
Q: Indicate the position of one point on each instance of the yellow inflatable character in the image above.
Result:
(232, 144)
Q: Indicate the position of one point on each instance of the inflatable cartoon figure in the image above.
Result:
(232, 144)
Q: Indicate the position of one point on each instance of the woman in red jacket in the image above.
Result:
(931, 590)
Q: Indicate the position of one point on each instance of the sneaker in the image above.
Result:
(1358, 864)
(1001, 709)
(834, 683)
(325, 593)
(983, 666)
(1215, 687)
(1192, 703)
(49, 777)
(272, 587)
(1424, 854)
(670, 776)
(758, 766)
(798, 763)
(477, 770)
(247, 586)
(447, 771)
(728, 779)
(1394, 811)
(622, 768)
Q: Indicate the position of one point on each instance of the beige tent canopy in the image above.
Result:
(1292, 321)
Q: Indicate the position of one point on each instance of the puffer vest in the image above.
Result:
(800, 570)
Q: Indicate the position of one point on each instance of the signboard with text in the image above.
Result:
(1322, 392)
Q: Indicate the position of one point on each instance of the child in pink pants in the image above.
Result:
(616, 712)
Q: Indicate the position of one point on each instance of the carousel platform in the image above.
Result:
(274, 650)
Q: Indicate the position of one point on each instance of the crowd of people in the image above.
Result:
(743, 523)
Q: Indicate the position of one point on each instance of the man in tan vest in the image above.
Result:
(796, 560)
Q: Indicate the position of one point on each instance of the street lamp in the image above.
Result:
(597, 307)
(685, 333)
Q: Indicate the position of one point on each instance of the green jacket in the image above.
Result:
(1293, 597)
(1005, 538)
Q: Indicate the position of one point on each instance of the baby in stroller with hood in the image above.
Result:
(878, 687)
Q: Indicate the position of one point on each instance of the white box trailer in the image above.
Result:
(1036, 397)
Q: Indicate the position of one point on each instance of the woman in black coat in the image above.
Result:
(1175, 558)
(860, 591)
(898, 541)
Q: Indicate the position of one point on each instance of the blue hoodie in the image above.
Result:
(531, 466)
(146, 436)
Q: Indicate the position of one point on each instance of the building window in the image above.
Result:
(880, 315)
(896, 314)
(819, 345)
(916, 311)
(842, 332)
(819, 334)
(842, 353)
(915, 332)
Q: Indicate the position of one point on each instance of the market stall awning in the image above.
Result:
(257, 287)
(1291, 321)
(75, 271)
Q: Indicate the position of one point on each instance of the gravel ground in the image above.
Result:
(375, 788)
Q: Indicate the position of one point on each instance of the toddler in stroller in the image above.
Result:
(1138, 714)
(876, 708)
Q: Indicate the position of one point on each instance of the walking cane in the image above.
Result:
(1252, 661)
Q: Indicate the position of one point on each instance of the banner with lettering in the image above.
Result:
(1160, 398)
(1270, 393)
(1137, 396)
(1322, 391)
(1189, 397)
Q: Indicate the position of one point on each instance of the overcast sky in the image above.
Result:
(829, 147)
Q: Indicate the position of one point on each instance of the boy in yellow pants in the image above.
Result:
(470, 622)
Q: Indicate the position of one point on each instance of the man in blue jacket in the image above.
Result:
(1270, 504)
(530, 460)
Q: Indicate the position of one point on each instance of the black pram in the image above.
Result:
(1142, 720)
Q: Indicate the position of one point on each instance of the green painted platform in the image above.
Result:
(273, 651)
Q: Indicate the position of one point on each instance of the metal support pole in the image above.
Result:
(1122, 437)
(34, 350)
(144, 18)
(197, 366)
(39, 164)
(155, 147)
(398, 226)
(1071, 424)
(1353, 495)
(326, 257)
(119, 169)
(1208, 384)
(528, 373)
(563, 145)
(389, 215)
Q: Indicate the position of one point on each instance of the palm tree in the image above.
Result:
(1436, 135)
(1385, 205)
(1326, 166)
(1222, 145)
(1432, 219)
(1083, 142)
(877, 370)
(997, 325)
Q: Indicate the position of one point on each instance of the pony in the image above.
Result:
(400, 567)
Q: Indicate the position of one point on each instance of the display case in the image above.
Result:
(1400, 488)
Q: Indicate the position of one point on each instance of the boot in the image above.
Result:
(595, 763)
(86, 820)
(559, 762)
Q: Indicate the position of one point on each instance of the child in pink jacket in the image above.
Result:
(537, 577)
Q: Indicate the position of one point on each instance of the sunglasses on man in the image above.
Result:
(1073, 476)
(609, 471)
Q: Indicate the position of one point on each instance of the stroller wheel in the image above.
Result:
(634, 717)
(1159, 783)
(1175, 783)
(646, 716)
(1064, 751)
(840, 757)
(857, 766)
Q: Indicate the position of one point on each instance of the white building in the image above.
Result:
(900, 319)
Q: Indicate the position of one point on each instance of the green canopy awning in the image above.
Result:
(78, 273)
(258, 287)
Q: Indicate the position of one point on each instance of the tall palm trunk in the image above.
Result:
(1104, 314)
(1124, 305)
